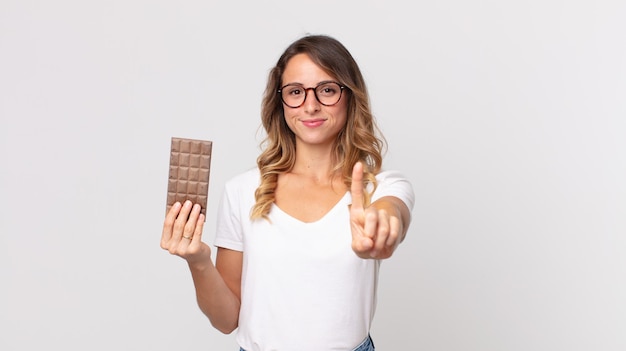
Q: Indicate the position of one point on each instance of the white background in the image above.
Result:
(508, 117)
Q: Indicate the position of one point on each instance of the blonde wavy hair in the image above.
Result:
(360, 140)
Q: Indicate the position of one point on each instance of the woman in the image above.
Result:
(300, 238)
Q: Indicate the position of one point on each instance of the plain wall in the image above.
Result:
(507, 116)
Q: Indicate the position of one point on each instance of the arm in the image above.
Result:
(217, 288)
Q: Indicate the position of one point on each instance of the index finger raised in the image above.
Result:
(356, 188)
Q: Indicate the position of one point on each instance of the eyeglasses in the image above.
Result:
(327, 93)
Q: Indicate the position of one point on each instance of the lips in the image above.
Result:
(312, 123)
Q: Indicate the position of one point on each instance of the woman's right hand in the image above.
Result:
(182, 234)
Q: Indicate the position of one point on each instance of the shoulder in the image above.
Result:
(243, 183)
(239, 191)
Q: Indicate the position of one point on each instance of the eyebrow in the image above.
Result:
(321, 82)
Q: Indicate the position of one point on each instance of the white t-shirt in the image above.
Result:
(302, 286)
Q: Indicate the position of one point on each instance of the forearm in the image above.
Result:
(215, 299)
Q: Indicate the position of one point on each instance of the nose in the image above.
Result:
(310, 101)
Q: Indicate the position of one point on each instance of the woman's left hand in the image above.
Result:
(378, 229)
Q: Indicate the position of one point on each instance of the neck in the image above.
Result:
(315, 164)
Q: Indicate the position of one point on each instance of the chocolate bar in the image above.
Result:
(190, 166)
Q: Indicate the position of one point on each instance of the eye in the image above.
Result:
(293, 90)
(328, 89)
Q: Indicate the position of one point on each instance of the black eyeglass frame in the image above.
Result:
(341, 88)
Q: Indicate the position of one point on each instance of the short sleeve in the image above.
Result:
(394, 183)
(233, 212)
(229, 229)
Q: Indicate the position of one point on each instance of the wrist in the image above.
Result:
(200, 264)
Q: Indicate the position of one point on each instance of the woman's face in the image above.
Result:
(313, 123)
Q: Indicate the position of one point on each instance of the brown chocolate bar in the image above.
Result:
(190, 166)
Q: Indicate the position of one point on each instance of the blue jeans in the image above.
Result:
(367, 345)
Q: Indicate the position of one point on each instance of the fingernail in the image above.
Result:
(187, 203)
